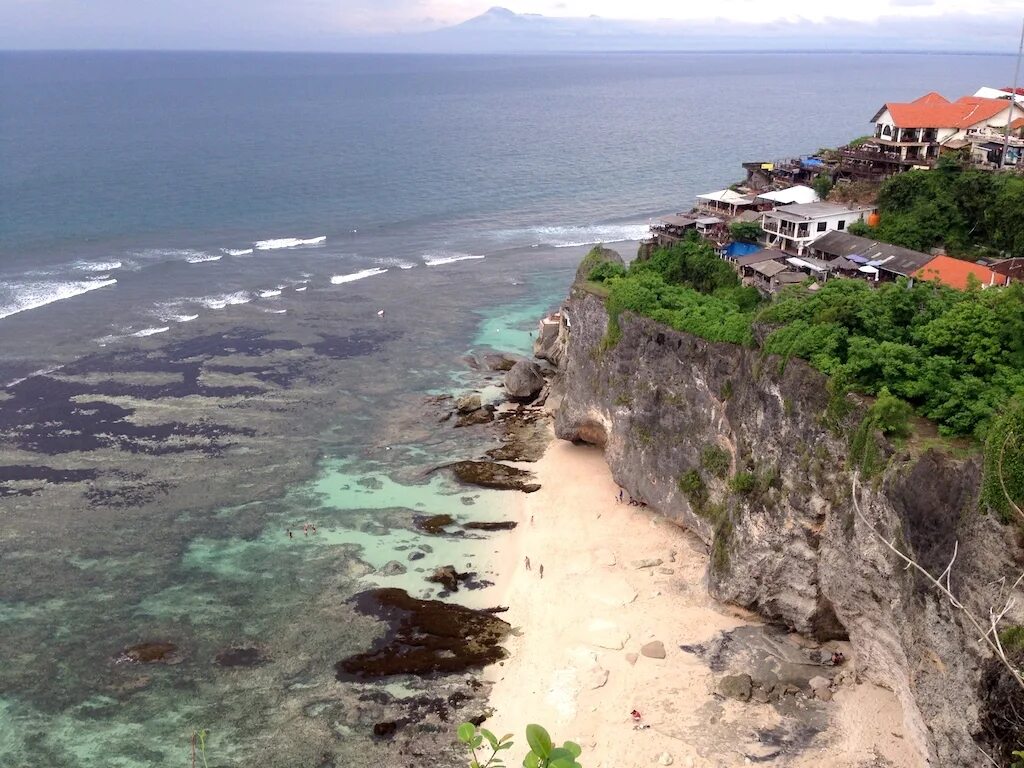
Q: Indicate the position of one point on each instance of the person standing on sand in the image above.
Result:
(540, 570)
(526, 561)
(620, 495)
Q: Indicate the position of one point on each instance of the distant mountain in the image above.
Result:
(501, 30)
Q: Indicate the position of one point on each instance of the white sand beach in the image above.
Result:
(576, 665)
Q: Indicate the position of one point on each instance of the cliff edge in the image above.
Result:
(752, 454)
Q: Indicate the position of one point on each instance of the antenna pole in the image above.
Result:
(1013, 99)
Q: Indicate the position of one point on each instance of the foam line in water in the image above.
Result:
(570, 237)
(96, 266)
(199, 258)
(26, 296)
(363, 273)
(271, 293)
(151, 331)
(237, 251)
(447, 257)
(401, 264)
(287, 242)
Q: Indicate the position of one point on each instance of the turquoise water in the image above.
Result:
(67, 704)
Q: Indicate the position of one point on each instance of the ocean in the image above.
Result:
(193, 252)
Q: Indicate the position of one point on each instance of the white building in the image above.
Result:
(792, 228)
(997, 93)
(914, 132)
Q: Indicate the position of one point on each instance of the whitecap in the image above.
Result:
(287, 242)
(226, 299)
(447, 257)
(199, 258)
(339, 279)
(395, 263)
(269, 294)
(26, 296)
(237, 251)
(151, 331)
(40, 372)
(297, 290)
(96, 266)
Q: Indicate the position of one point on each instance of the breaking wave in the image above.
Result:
(287, 242)
(25, 296)
(570, 237)
(237, 251)
(363, 273)
(226, 300)
(151, 331)
(447, 257)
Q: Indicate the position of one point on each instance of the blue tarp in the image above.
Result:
(736, 250)
(812, 161)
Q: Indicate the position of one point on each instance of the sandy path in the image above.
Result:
(568, 672)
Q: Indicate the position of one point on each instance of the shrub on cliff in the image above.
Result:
(956, 356)
(746, 231)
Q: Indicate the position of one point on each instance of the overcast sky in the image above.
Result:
(326, 24)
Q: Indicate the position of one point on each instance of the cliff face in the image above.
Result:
(765, 484)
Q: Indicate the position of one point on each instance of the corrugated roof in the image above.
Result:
(887, 257)
(934, 111)
(680, 220)
(954, 272)
(768, 268)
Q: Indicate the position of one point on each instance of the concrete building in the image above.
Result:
(792, 228)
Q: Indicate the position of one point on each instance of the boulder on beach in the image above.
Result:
(524, 380)
(499, 362)
(483, 415)
(653, 650)
(737, 687)
(469, 403)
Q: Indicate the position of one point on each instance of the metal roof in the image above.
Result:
(769, 268)
(885, 256)
(797, 194)
(811, 211)
(680, 220)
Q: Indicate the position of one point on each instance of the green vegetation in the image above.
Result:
(543, 753)
(860, 141)
(822, 184)
(746, 231)
(715, 460)
(692, 485)
(970, 212)
(686, 287)
(957, 357)
(1003, 480)
(1012, 638)
(605, 271)
(743, 482)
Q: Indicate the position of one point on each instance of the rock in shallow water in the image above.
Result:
(491, 474)
(424, 637)
(240, 657)
(157, 652)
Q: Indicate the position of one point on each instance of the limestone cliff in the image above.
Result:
(740, 448)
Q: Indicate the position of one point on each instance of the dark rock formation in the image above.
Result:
(525, 435)
(424, 637)
(240, 657)
(499, 362)
(491, 474)
(479, 416)
(435, 524)
(597, 255)
(392, 568)
(524, 381)
(468, 403)
(793, 548)
(156, 652)
(447, 577)
(504, 525)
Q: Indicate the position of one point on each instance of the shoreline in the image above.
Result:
(575, 664)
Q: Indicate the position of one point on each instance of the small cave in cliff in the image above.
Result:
(591, 432)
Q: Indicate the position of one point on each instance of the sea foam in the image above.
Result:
(199, 257)
(151, 331)
(237, 251)
(447, 257)
(363, 273)
(287, 242)
(570, 237)
(26, 296)
(226, 299)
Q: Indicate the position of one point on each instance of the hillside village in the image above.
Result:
(811, 218)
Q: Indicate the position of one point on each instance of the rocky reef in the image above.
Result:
(752, 453)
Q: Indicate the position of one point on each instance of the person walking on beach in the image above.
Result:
(620, 496)
(526, 561)
(540, 570)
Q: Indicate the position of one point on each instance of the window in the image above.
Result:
(822, 225)
(841, 225)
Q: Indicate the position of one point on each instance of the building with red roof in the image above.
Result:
(955, 273)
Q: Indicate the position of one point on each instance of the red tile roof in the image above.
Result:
(1018, 123)
(934, 111)
(954, 272)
